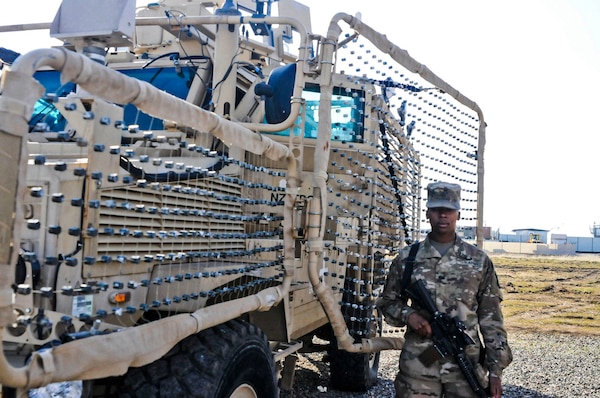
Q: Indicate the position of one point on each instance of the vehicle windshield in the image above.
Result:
(347, 114)
(47, 118)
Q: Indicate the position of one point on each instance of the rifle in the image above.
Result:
(449, 337)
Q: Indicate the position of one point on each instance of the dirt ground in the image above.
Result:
(551, 294)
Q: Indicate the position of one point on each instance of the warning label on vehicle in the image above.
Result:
(82, 305)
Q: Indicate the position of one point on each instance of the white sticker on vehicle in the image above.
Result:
(82, 305)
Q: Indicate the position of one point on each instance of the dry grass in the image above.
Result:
(551, 294)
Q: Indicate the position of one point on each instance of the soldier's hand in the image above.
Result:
(419, 324)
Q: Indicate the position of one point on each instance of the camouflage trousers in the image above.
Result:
(409, 387)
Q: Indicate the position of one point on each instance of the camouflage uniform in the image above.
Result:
(463, 283)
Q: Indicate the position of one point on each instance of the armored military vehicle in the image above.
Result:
(194, 192)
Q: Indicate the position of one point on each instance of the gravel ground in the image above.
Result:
(544, 366)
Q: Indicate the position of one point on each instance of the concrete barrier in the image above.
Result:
(495, 247)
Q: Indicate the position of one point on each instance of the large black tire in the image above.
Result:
(351, 371)
(227, 361)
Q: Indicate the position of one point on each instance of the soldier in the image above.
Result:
(462, 281)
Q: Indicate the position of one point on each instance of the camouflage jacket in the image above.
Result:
(462, 283)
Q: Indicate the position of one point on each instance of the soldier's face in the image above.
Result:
(443, 220)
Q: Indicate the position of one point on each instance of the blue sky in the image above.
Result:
(533, 66)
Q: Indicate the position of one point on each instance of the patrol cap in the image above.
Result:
(443, 194)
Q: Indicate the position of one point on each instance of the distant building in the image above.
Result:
(470, 232)
(535, 241)
(532, 235)
(467, 233)
(526, 235)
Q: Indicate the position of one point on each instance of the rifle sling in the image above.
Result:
(408, 268)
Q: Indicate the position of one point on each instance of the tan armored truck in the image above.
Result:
(194, 192)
